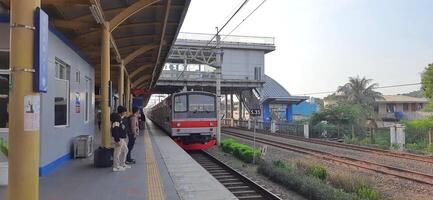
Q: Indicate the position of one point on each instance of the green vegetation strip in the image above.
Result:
(241, 151)
(313, 182)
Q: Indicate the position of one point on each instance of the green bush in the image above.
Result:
(241, 151)
(368, 193)
(429, 148)
(318, 172)
(308, 186)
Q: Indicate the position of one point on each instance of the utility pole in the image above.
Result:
(218, 85)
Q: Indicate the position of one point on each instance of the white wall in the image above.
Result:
(241, 63)
(55, 141)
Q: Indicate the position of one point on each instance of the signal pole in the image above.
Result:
(218, 85)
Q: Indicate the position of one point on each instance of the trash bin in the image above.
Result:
(83, 146)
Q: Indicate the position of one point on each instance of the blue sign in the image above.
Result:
(110, 93)
(40, 53)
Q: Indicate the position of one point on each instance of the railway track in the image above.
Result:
(409, 156)
(348, 161)
(242, 187)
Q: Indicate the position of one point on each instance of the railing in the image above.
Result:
(265, 127)
(226, 39)
(199, 75)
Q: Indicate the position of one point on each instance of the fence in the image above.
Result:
(266, 127)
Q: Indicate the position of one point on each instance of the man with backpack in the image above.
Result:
(118, 132)
(133, 130)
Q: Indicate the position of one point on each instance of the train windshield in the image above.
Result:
(201, 103)
(180, 103)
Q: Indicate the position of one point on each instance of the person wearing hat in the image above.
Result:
(118, 132)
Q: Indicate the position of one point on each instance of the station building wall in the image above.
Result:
(241, 64)
(56, 140)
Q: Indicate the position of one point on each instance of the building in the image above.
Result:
(305, 109)
(67, 109)
(400, 106)
(277, 104)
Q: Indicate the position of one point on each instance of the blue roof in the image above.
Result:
(273, 92)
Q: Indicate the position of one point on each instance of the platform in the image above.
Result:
(163, 171)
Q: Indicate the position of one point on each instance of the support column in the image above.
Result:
(105, 78)
(240, 107)
(231, 106)
(23, 145)
(128, 94)
(121, 83)
(226, 103)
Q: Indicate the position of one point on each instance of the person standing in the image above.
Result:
(118, 132)
(132, 135)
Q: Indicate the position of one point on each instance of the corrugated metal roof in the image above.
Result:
(273, 89)
(273, 92)
(402, 99)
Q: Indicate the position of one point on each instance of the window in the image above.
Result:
(180, 103)
(405, 107)
(87, 99)
(4, 89)
(257, 73)
(61, 94)
(390, 108)
(201, 103)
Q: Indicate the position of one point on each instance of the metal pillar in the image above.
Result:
(218, 86)
(231, 106)
(23, 144)
(121, 83)
(226, 103)
(105, 78)
(240, 107)
(128, 94)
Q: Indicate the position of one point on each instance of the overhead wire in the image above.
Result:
(381, 87)
(225, 36)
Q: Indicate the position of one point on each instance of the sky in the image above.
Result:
(320, 43)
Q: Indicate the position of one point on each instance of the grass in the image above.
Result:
(314, 182)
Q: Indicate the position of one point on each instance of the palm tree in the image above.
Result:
(359, 91)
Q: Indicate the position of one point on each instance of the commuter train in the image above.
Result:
(189, 118)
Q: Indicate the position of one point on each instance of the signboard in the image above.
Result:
(137, 92)
(40, 55)
(255, 112)
(32, 105)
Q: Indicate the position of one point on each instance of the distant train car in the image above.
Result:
(189, 118)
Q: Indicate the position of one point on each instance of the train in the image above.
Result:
(189, 118)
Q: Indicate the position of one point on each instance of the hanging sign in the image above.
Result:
(32, 105)
(40, 55)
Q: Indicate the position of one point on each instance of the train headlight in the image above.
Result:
(178, 124)
(211, 124)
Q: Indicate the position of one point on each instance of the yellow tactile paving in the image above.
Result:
(154, 185)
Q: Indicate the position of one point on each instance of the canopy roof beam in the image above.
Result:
(129, 11)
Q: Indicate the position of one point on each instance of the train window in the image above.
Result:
(180, 103)
(201, 103)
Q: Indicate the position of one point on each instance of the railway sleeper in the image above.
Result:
(236, 188)
(251, 197)
(223, 176)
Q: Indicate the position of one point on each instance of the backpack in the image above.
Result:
(127, 123)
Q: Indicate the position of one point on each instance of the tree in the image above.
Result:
(338, 115)
(359, 91)
(427, 81)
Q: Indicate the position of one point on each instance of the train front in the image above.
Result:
(194, 120)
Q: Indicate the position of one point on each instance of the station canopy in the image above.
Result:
(143, 40)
